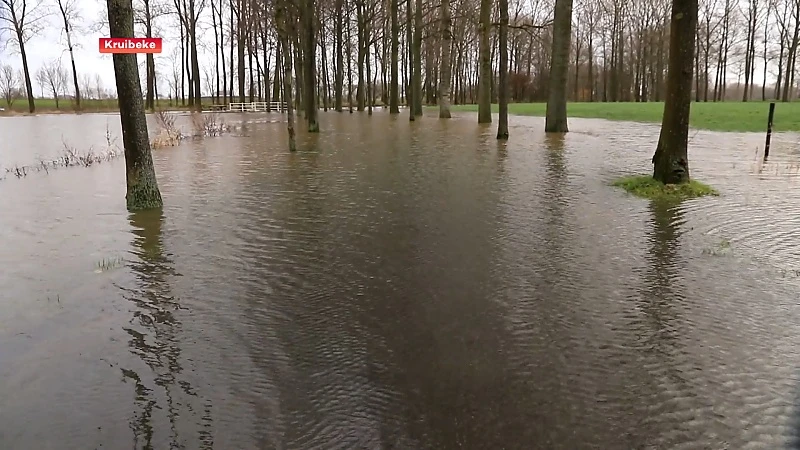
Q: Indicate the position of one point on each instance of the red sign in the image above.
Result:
(130, 45)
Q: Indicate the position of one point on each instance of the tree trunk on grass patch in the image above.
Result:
(671, 160)
(142, 192)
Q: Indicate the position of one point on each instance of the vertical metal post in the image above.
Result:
(769, 128)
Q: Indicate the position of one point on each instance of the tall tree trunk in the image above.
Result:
(68, 33)
(26, 71)
(444, 82)
(338, 43)
(142, 187)
(198, 98)
(325, 79)
(394, 86)
(556, 115)
(283, 37)
(215, 94)
(370, 86)
(410, 94)
(502, 124)
(485, 64)
(310, 70)
(418, 59)
(232, 33)
(150, 63)
(240, 37)
(349, 66)
(277, 82)
(671, 159)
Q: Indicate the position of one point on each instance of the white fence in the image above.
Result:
(257, 106)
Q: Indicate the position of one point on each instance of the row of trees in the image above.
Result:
(618, 48)
(303, 52)
(53, 81)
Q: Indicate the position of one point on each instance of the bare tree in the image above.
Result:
(9, 84)
(71, 17)
(21, 20)
(86, 85)
(98, 85)
(53, 76)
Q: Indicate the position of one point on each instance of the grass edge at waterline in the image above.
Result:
(645, 186)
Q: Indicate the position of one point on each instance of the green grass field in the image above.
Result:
(66, 106)
(722, 116)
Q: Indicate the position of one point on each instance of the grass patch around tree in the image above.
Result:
(645, 186)
(719, 116)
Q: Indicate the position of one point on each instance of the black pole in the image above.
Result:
(769, 128)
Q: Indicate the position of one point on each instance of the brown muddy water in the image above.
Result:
(398, 285)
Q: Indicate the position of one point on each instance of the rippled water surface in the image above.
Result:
(398, 285)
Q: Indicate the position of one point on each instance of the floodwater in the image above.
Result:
(398, 285)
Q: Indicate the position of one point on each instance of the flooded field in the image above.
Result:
(398, 285)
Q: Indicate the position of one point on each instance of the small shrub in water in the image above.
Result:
(645, 186)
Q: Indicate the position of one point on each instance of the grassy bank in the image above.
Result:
(645, 186)
(66, 106)
(723, 116)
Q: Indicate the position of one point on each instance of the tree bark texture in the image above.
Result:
(556, 115)
(671, 160)
(142, 187)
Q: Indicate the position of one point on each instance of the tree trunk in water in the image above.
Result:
(485, 64)
(394, 97)
(283, 37)
(418, 59)
(444, 82)
(240, 29)
(198, 98)
(409, 47)
(349, 67)
(671, 160)
(142, 188)
(502, 98)
(339, 78)
(556, 116)
(309, 72)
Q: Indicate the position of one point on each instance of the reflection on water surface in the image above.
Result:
(398, 285)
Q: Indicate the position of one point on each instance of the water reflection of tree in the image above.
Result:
(659, 299)
(153, 336)
(555, 182)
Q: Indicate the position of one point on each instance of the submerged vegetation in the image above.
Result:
(170, 135)
(106, 264)
(203, 125)
(645, 186)
(69, 157)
